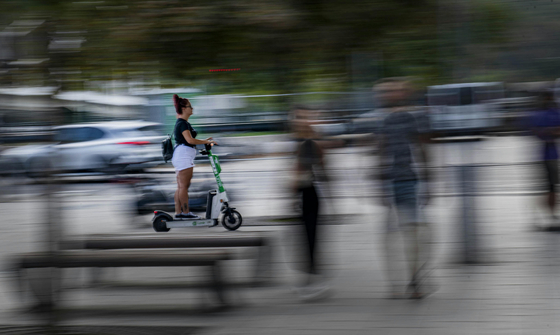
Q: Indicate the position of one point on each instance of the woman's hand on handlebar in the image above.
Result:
(211, 141)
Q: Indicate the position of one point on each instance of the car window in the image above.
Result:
(92, 134)
(78, 134)
(138, 132)
(151, 130)
(67, 135)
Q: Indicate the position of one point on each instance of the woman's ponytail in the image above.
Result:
(179, 104)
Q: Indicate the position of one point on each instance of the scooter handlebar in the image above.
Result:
(209, 146)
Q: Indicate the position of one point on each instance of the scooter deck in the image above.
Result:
(178, 223)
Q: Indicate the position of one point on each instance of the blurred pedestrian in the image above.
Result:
(183, 156)
(402, 138)
(309, 169)
(545, 125)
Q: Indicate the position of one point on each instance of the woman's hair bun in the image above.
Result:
(179, 103)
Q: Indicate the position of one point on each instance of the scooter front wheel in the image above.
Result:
(231, 220)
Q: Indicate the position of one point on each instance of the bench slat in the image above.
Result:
(168, 243)
(118, 259)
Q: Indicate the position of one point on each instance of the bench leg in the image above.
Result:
(96, 276)
(218, 283)
(45, 285)
(264, 264)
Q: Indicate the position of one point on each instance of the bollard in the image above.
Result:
(467, 177)
(45, 283)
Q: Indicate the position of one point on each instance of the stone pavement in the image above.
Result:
(514, 290)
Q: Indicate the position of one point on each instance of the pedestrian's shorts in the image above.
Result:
(183, 157)
(406, 201)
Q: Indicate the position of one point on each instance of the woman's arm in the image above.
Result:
(194, 141)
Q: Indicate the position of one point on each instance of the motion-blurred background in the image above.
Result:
(69, 62)
(86, 98)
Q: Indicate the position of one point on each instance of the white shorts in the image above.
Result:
(183, 157)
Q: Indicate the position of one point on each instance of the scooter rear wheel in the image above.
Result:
(160, 225)
(232, 220)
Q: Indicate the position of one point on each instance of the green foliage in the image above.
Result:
(280, 46)
(491, 21)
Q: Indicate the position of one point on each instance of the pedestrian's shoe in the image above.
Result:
(415, 289)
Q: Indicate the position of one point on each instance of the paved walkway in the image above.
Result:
(514, 291)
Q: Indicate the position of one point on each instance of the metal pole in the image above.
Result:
(468, 188)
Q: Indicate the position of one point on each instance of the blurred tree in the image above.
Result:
(279, 45)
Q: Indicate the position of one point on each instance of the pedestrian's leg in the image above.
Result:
(419, 242)
(552, 179)
(425, 255)
(406, 201)
(393, 249)
(412, 250)
(314, 288)
(310, 215)
(552, 203)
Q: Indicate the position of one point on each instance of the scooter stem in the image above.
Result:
(216, 168)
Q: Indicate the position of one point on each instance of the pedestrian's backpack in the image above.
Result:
(167, 148)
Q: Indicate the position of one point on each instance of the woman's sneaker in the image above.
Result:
(189, 215)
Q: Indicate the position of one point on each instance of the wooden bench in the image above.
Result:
(151, 241)
(114, 258)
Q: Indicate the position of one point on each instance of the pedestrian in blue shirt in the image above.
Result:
(545, 125)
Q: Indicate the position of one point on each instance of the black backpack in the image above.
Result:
(167, 148)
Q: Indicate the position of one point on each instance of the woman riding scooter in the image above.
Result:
(183, 156)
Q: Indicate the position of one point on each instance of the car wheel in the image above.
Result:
(104, 165)
(12, 174)
(142, 207)
(98, 164)
(11, 168)
(39, 168)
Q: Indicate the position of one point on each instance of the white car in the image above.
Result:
(105, 147)
(464, 109)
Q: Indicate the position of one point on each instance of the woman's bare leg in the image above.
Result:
(184, 177)
(177, 202)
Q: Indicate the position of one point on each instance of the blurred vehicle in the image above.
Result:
(513, 112)
(101, 147)
(369, 122)
(25, 134)
(464, 109)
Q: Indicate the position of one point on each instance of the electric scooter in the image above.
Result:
(216, 204)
